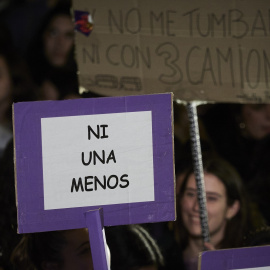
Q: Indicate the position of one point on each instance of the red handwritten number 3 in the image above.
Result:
(171, 54)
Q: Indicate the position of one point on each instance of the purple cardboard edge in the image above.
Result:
(28, 162)
(239, 258)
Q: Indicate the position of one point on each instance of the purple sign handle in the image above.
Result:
(94, 223)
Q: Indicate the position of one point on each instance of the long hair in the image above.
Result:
(236, 227)
(37, 61)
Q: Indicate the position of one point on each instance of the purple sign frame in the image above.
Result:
(29, 172)
(239, 258)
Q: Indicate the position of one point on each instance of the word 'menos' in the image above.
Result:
(93, 183)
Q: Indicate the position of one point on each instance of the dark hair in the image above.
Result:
(39, 66)
(36, 248)
(237, 226)
(132, 247)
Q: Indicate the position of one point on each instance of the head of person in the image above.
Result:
(225, 203)
(56, 250)
(258, 237)
(51, 57)
(58, 36)
(54, 42)
(255, 120)
(132, 248)
(15, 82)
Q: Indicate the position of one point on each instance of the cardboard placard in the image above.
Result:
(199, 50)
(73, 156)
(250, 258)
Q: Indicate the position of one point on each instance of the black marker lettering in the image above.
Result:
(109, 182)
(207, 66)
(103, 185)
(123, 180)
(76, 185)
(88, 183)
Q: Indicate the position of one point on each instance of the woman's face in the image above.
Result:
(5, 81)
(257, 120)
(58, 40)
(76, 254)
(216, 203)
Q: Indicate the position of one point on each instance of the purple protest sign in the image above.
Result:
(73, 156)
(251, 258)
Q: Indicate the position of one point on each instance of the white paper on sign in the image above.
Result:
(97, 159)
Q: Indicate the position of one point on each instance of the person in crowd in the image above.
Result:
(163, 232)
(133, 248)
(51, 55)
(23, 18)
(15, 85)
(227, 211)
(241, 134)
(65, 250)
(130, 247)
